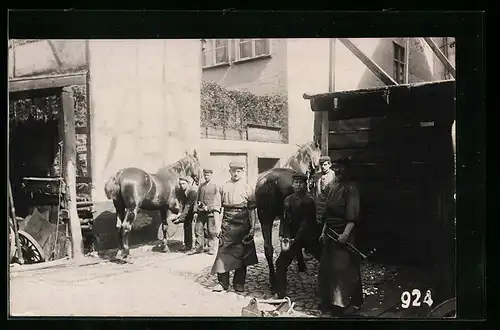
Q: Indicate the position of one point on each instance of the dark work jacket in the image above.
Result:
(187, 201)
(342, 205)
(209, 195)
(299, 216)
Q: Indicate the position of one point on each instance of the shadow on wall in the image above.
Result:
(144, 228)
(420, 70)
(238, 74)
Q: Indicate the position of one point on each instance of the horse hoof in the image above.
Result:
(165, 249)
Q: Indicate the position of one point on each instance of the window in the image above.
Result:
(215, 52)
(251, 48)
(399, 63)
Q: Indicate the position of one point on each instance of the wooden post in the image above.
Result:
(69, 170)
(12, 209)
(331, 89)
(407, 60)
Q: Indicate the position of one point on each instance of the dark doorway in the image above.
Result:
(265, 164)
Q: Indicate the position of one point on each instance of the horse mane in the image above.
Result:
(180, 167)
(301, 157)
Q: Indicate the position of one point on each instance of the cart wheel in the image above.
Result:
(32, 251)
(447, 309)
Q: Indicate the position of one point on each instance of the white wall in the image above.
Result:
(253, 151)
(307, 72)
(145, 98)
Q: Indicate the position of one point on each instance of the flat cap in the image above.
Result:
(185, 178)
(207, 170)
(325, 159)
(299, 176)
(237, 165)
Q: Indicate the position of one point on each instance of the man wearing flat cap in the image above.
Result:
(207, 210)
(296, 229)
(236, 245)
(186, 193)
(327, 174)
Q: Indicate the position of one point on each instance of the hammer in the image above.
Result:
(333, 235)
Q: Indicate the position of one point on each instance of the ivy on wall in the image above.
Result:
(232, 109)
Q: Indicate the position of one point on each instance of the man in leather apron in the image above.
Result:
(236, 245)
(339, 277)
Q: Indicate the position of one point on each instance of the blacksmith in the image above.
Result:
(236, 245)
(208, 208)
(339, 278)
(295, 229)
(186, 193)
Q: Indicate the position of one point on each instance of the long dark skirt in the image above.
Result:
(232, 253)
(339, 278)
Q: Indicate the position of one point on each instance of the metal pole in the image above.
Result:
(407, 60)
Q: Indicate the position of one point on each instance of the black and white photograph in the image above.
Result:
(196, 177)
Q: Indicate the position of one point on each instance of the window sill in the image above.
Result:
(256, 58)
(215, 66)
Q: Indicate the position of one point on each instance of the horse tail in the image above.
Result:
(112, 187)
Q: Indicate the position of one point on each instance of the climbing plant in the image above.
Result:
(232, 109)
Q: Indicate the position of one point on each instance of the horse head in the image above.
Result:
(307, 155)
(192, 166)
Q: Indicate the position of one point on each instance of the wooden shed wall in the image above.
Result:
(400, 152)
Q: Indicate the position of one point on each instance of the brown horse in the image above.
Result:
(132, 189)
(270, 191)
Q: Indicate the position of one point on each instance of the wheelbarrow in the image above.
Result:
(257, 308)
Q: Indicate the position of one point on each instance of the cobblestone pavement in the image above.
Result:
(170, 284)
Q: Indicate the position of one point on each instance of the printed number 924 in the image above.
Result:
(406, 298)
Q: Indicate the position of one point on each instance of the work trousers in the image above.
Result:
(205, 226)
(188, 234)
(284, 260)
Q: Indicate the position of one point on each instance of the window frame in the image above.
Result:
(398, 60)
(238, 57)
(213, 50)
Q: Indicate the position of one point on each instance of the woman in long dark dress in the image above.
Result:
(339, 278)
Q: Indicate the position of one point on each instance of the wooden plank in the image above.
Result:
(43, 82)
(36, 93)
(69, 170)
(430, 100)
(439, 54)
(374, 67)
(414, 172)
(82, 130)
(83, 179)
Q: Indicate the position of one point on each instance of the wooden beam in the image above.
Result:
(46, 81)
(54, 53)
(407, 60)
(69, 170)
(374, 67)
(439, 54)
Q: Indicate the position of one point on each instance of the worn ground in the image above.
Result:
(175, 284)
